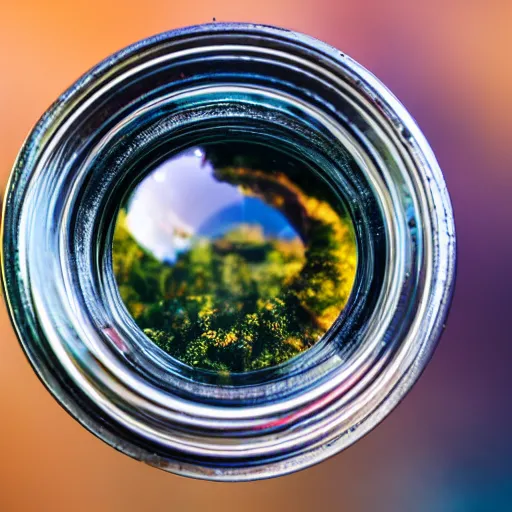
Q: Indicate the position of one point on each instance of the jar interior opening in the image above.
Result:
(234, 256)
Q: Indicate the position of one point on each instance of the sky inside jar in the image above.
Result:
(181, 201)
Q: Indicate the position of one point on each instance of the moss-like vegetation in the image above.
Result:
(243, 301)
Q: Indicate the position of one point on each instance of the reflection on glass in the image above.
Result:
(234, 257)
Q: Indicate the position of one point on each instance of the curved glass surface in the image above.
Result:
(143, 333)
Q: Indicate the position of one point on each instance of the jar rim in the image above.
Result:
(280, 436)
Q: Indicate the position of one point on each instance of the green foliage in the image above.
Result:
(243, 301)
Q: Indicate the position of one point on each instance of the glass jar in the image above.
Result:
(148, 102)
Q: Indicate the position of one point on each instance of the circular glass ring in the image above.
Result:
(248, 361)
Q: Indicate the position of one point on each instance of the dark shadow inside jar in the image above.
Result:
(234, 257)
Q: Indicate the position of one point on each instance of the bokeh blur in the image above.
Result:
(447, 447)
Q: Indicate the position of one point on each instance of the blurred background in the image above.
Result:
(447, 447)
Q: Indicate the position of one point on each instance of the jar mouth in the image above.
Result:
(245, 255)
(271, 117)
(205, 85)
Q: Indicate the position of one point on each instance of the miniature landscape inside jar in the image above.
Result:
(234, 257)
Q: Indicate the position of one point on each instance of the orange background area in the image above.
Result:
(449, 62)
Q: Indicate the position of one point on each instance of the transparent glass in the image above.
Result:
(203, 85)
